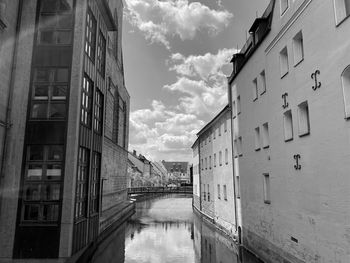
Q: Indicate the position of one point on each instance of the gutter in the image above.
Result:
(7, 124)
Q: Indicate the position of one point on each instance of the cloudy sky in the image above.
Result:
(176, 55)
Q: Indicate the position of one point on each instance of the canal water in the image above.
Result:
(165, 230)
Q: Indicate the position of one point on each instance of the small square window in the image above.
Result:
(284, 67)
(288, 125)
(298, 47)
(304, 120)
(257, 138)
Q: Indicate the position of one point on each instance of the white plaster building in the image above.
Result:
(289, 92)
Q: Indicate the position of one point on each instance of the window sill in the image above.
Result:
(342, 20)
(257, 149)
(255, 99)
(3, 23)
(304, 134)
(262, 93)
(267, 202)
(240, 155)
(288, 140)
(299, 62)
(266, 147)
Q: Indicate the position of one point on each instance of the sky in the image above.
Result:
(176, 63)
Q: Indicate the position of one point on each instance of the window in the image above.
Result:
(82, 183)
(284, 68)
(225, 193)
(204, 193)
(235, 148)
(101, 54)
(265, 135)
(95, 183)
(219, 129)
(234, 109)
(226, 156)
(86, 101)
(342, 10)
(284, 6)
(202, 165)
(42, 184)
(214, 159)
(240, 146)
(238, 104)
(214, 133)
(219, 194)
(263, 82)
(266, 188)
(304, 120)
(3, 22)
(90, 37)
(206, 163)
(238, 188)
(288, 125)
(257, 138)
(209, 137)
(50, 87)
(208, 194)
(298, 48)
(220, 158)
(209, 162)
(346, 90)
(255, 89)
(55, 23)
(98, 114)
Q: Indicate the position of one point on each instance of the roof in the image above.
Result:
(171, 165)
(227, 107)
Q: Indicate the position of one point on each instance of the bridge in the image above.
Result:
(161, 190)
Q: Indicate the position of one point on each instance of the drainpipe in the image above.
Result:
(232, 155)
(7, 123)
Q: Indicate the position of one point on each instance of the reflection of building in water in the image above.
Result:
(197, 242)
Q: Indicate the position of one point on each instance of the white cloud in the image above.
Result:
(160, 19)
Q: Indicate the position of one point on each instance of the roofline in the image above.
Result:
(227, 107)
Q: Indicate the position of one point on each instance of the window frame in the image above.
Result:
(303, 116)
(266, 188)
(284, 62)
(90, 45)
(298, 47)
(288, 114)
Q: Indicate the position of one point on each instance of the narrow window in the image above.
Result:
(238, 188)
(225, 192)
(240, 146)
(263, 82)
(284, 6)
(226, 156)
(234, 109)
(90, 35)
(238, 104)
(206, 163)
(342, 10)
(284, 68)
(82, 183)
(265, 135)
(288, 125)
(214, 159)
(257, 138)
(266, 187)
(298, 47)
(255, 89)
(86, 101)
(235, 148)
(214, 134)
(98, 114)
(204, 193)
(219, 194)
(95, 183)
(202, 164)
(219, 129)
(220, 158)
(101, 54)
(304, 120)
(225, 125)
(208, 194)
(209, 137)
(346, 90)
(209, 162)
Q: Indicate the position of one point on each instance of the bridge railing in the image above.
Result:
(161, 189)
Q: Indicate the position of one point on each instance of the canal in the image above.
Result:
(165, 230)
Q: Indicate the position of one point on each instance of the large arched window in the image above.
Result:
(346, 90)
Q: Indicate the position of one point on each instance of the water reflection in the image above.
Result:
(165, 230)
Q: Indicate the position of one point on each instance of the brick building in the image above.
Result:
(63, 125)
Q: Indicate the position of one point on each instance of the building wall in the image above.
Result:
(223, 175)
(305, 220)
(196, 180)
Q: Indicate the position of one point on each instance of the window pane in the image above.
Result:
(34, 172)
(53, 171)
(64, 37)
(65, 5)
(47, 37)
(39, 111)
(59, 92)
(61, 75)
(36, 153)
(41, 92)
(48, 21)
(31, 212)
(65, 21)
(32, 192)
(42, 75)
(55, 153)
(50, 212)
(51, 192)
(58, 110)
(49, 6)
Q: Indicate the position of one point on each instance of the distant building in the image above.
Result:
(64, 113)
(178, 172)
(212, 150)
(290, 98)
(160, 169)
